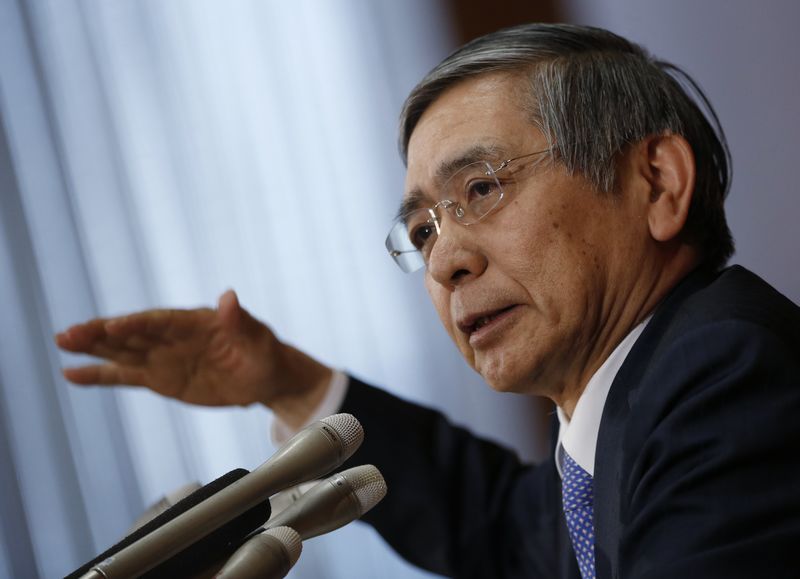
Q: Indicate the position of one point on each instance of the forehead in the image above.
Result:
(483, 118)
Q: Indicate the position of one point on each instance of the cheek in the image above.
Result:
(554, 257)
(441, 301)
(527, 245)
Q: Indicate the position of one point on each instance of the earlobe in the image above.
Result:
(672, 176)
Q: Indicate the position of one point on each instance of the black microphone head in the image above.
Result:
(201, 554)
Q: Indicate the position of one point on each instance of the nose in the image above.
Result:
(456, 256)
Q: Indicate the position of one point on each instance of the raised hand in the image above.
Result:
(201, 356)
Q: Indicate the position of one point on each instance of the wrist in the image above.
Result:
(306, 383)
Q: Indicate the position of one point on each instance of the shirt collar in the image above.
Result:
(578, 436)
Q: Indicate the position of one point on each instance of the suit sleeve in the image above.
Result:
(714, 484)
(457, 505)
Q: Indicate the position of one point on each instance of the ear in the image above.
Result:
(671, 175)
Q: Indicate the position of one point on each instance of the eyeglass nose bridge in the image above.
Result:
(450, 206)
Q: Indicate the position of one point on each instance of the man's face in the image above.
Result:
(533, 293)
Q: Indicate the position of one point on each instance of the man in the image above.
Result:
(564, 197)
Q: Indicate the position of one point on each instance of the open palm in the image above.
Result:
(201, 356)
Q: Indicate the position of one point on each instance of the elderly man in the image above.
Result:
(564, 196)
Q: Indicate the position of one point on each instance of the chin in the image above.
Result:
(503, 388)
(510, 378)
(506, 382)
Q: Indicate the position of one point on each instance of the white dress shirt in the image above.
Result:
(578, 436)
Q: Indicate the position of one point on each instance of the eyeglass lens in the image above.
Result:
(469, 195)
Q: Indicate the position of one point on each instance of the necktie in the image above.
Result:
(578, 497)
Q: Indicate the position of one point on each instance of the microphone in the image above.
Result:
(165, 502)
(268, 555)
(312, 452)
(224, 540)
(334, 502)
(329, 505)
(282, 500)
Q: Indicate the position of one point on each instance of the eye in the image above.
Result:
(478, 190)
(421, 235)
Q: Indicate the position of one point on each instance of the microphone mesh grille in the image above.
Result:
(349, 430)
(367, 484)
(290, 539)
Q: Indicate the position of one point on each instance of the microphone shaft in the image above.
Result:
(313, 452)
(331, 504)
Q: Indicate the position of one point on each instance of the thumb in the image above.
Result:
(229, 311)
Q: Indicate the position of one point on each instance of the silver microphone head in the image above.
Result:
(349, 430)
(268, 555)
(368, 485)
(290, 540)
(334, 502)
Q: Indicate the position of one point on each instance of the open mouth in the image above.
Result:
(485, 320)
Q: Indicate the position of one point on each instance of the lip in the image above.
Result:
(498, 318)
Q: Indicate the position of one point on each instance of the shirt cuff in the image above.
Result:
(330, 404)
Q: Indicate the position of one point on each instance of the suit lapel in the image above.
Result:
(609, 468)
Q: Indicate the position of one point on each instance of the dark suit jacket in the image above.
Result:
(697, 470)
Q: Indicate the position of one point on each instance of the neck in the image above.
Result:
(630, 305)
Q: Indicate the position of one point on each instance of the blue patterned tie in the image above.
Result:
(577, 491)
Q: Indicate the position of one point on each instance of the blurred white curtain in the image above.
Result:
(153, 154)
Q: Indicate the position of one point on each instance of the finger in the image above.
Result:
(150, 322)
(83, 337)
(131, 342)
(80, 337)
(91, 339)
(105, 374)
(138, 343)
(159, 324)
(119, 355)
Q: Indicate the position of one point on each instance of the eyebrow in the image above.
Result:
(416, 198)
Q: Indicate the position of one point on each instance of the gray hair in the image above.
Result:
(592, 93)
